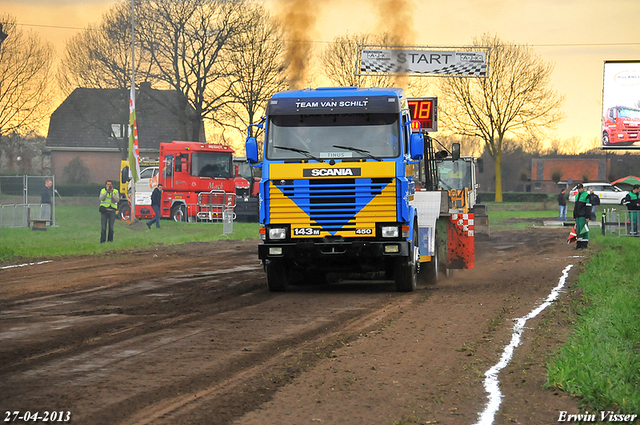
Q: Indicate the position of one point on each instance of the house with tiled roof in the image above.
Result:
(92, 125)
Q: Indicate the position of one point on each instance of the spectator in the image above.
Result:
(45, 200)
(582, 214)
(108, 205)
(632, 201)
(156, 197)
(562, 205)
(595, 201)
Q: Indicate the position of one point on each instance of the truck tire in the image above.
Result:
(430, 272)
(605, 138)
(124, 211)
(277, 276)
(406, 272)
(179, 213)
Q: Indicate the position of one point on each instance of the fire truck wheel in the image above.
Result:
(406, 272)
(179, 213)
(277, 278)
(124, 211)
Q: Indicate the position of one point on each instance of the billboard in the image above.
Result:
(458, 62)
(621, 105)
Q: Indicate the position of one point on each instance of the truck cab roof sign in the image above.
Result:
(333, 105)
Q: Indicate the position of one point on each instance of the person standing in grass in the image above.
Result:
(45, 200)
(109, 198)
(632, 201)
(156, 197)
(562, 205)
(582, 214)
(595, 201)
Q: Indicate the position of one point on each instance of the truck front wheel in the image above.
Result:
(179, 212)
(605, 138)
(277, 276)
(406, 272)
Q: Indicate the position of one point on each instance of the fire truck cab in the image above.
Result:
(197, 179)
(621, 126)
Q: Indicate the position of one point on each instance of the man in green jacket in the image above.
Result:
(582, 214)
(632, 201)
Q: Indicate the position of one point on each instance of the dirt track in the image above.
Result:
(190, 335)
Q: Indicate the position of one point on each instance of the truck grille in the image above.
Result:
(333, 204)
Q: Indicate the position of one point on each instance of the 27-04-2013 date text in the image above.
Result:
(46, 416)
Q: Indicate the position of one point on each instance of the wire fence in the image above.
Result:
(620, 222)
(21, 200)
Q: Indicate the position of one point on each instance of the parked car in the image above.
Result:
(608, 193)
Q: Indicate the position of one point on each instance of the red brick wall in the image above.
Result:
(576, 169)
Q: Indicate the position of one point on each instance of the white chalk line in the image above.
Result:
(25, 264)
(491, 384)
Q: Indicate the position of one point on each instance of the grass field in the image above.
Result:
(600, 363)
(518, 215)
(77, 232)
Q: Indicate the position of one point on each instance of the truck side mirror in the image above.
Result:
(124, 175)
(416, 146)
(236, 170)
(455, 151)
(251, 148)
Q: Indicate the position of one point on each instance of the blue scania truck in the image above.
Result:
(349, 185)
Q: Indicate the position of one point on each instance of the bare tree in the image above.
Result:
(100, 56)
(186, 40)
(340, 60)
(515, 98)
(257, 68)
(25, 65)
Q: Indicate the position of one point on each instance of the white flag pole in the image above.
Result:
(131, 127)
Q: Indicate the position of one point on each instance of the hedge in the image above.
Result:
(515, 197)
(91, 189)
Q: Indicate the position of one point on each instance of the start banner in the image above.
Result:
(460, 62)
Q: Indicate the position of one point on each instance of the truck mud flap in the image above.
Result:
(460, 241)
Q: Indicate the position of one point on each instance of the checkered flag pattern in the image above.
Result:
(391, 68)
(464, 222)
(381, 67)
(463, 69)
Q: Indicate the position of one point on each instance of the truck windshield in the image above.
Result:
(244, 169)
(629, 113)
(377, 134)
(205, 164)
(454, 174)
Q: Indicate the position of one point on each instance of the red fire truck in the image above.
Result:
(621, 126)
(198, 181)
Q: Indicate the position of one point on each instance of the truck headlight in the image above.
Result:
(390, 231)
(277, 233)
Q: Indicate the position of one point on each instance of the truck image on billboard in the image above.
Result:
(621, 105)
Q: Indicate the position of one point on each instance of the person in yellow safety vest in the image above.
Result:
(109, 198)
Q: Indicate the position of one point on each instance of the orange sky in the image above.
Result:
(577, 35)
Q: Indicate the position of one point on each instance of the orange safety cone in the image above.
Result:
(572, 235)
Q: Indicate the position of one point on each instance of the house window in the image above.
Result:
(119, 131)
(537, 186)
